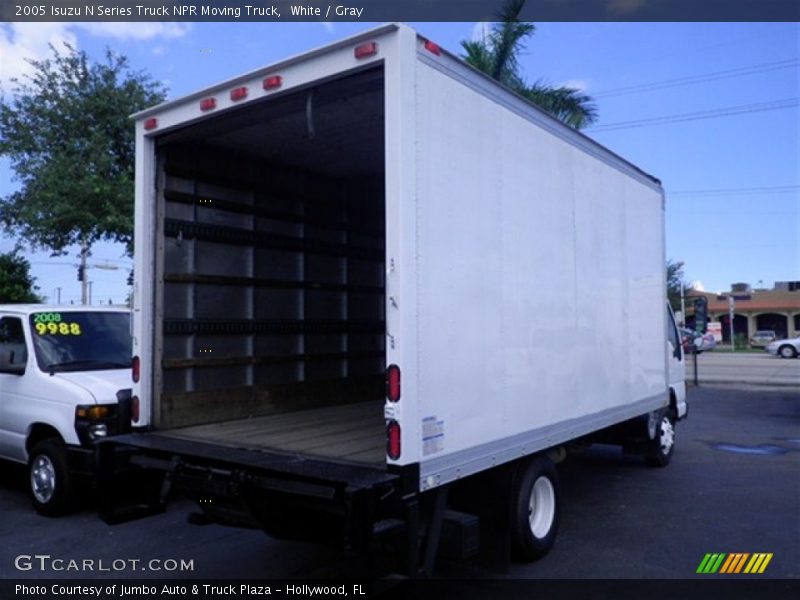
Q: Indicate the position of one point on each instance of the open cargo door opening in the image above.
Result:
(271, 310)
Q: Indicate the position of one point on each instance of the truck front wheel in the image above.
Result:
(660, 448)
(535, 500)
(50, 478)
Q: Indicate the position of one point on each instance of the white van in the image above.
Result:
(61, 369)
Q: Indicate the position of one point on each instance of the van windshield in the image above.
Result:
(81, 341)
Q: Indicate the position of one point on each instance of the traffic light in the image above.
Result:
(700, 314)
(80, 272)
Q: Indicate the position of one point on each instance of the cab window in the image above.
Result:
(12, 340)
(672, 335)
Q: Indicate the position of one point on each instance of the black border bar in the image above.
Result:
(398, 10)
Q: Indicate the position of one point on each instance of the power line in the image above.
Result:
(775, 189)
(701, 78)
(706, 114)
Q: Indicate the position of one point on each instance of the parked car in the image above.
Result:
(784, 348)
(761, 338)
(693, 341)
(60, 372)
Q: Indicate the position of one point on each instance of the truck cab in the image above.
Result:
(60, 372)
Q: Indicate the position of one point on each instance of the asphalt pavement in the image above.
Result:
(733, 486)
(744, 368)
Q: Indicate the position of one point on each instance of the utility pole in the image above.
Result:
(731, 305)
(58, 295)
(82, 270)
(90, 292)
(683, 307)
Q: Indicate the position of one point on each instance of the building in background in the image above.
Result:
(777, 309)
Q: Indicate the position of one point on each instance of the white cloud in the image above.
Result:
(480, 31)
(159, 50)
(21, 41)
(577, 84)
(328, 25)
(697, 285)
(136, 31)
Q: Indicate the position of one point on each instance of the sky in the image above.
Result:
(711, 109)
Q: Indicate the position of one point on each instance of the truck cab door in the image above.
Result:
(676, 365)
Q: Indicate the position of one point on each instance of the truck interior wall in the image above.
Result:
(272, 225)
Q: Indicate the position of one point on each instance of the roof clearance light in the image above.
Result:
(393, 439)
(239, 93)
(393, 383)
(208, 104)
(365, 50)
(150, 123)
(273, 82)
(433, 48)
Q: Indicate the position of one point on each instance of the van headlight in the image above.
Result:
(95, 421)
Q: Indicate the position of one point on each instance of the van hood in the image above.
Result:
(102, 385)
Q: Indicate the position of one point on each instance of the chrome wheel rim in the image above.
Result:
(667, 437)
(541, 507)
(43, 478)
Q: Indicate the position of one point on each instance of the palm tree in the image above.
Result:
(497, 56)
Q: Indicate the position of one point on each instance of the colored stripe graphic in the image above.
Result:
(759, 562)
(734, 563)
(711, 563)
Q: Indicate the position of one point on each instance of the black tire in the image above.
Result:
(660, 449)
(536, 503)
(787, 351)
(50, 482)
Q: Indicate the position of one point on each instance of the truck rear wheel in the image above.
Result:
(536, 502)
(50, 478)
(660, 448)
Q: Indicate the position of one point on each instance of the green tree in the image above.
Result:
(674, 279)
(16, 283)
(66, 131)
(497, 55)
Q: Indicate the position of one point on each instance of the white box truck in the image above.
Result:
(369, 278)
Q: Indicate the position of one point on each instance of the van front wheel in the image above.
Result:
(535, 501)
(49, 478)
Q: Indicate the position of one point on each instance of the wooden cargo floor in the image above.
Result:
(352, 432)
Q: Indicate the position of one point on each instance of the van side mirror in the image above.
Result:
(11, 362)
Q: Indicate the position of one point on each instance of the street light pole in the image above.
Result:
(683, 307)
(731, 304)
(84, 287)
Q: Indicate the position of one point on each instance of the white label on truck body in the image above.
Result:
(432, 436)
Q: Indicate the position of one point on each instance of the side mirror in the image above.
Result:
(12, 362)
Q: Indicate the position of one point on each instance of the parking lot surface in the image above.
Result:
(733, 486)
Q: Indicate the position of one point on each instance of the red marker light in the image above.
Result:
(135, 409)
(365, 50)
(208, 104)
(273, 82)
(393, 439)
(433, 48)
(150, 123)
(393, 383)
(239, 93)
(135, 369)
